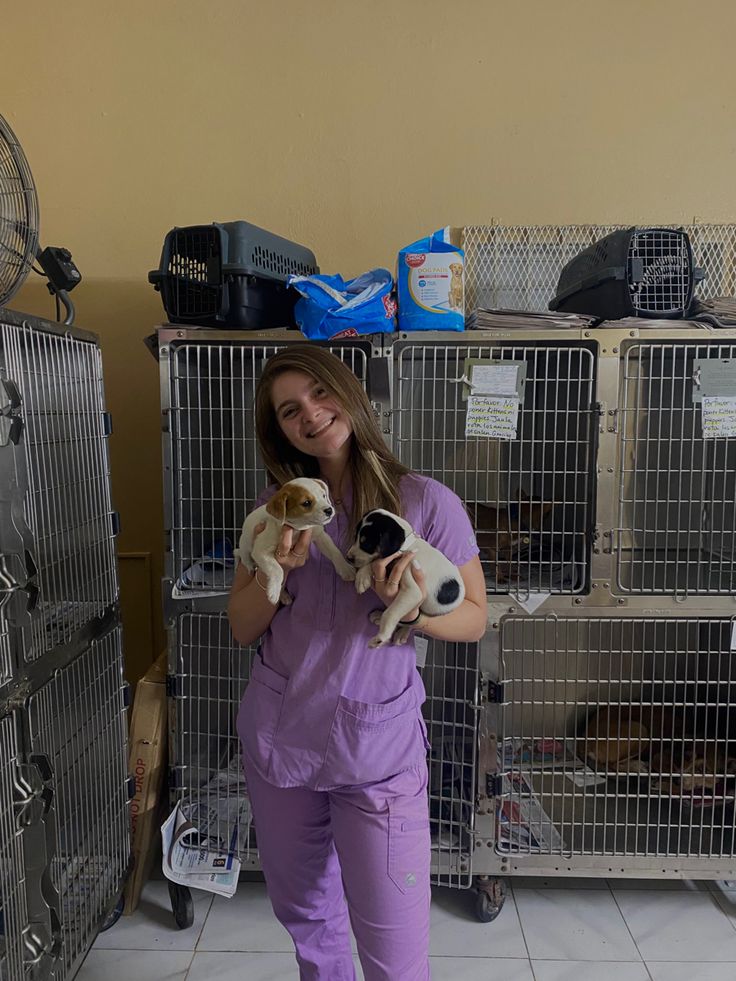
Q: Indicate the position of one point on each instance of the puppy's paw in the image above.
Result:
(363, 579)
(347, 573)
(375, 617)
(377, 641)
(401, 635)
(285, 598)
(273, 592)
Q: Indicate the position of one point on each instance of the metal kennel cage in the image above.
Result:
(208, 673)
(212, 468)
(77, 721)
(612, 747)
(676, 522)
(517, 267)
(531, 497)
(63, 741)
(67, 507)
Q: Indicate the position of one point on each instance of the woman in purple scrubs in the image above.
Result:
(334, 744)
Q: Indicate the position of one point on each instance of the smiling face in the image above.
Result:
(311, 419)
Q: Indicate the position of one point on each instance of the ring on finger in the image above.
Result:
(377, 580)
(394, 582)
(279, 554)
(299, 555)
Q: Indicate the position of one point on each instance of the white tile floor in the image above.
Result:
(548, 930)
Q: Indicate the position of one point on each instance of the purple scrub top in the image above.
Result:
(322, 710)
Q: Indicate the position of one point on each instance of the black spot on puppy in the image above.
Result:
(448, 592)
(380, 534)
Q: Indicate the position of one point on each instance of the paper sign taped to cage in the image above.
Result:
(719, 416)
(493, 416)
(421, 645)
(494, 379)
(733, 635)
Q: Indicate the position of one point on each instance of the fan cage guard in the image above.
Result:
(19, 217)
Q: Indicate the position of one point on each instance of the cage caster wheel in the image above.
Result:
(114, 915)
(182, 905)
(490, 899)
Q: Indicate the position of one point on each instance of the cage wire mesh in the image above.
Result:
(13, 908)
(676, 498)
(450, 677)
(530, 498)
(215, 470)
(517, 267)
(211, 674)
(78, 719)
(618, 738)
(68, 506)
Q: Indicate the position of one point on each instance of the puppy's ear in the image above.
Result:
(276, 507)
(322, 484)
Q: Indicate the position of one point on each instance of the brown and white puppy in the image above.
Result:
(300, 503)
(380, 534)
(456, 286)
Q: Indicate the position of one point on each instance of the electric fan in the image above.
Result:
(19, 231)
(633, 272)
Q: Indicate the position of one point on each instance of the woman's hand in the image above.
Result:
(292, 548)
(385, 581)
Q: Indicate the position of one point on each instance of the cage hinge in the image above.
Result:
(494, 784)
(107, 423)
(175, 781)
(612, 419)
(172, 686)
(495, 692)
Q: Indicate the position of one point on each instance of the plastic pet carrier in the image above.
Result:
(633, 272)
(229, 275)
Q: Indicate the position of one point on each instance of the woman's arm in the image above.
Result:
(468, 622)
(248, 608)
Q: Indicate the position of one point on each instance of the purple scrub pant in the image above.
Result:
(355, 855)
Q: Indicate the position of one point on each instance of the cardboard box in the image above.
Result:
(148, 745)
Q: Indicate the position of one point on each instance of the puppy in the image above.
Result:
(301, 503)
(381, 533)
(503, 531)
(456, 286)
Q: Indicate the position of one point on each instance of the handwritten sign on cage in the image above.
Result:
(719, 416)
(494, 391)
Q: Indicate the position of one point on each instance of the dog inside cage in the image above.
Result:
(530, 498)
(617, 737)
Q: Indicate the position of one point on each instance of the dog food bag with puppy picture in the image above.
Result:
(430, 284)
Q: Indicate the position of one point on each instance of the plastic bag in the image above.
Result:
(431, 284)
(330, 307)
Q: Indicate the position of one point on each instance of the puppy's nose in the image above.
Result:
(328, 511)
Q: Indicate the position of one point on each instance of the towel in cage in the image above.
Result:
(212, 572)
(451, 790)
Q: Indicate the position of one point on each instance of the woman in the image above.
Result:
(334, 744)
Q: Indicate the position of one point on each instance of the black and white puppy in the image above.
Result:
(380, 534)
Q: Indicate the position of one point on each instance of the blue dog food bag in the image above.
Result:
(331, 307)
(430, 284)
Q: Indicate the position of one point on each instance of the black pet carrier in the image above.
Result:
(229, 275)
(634, 272)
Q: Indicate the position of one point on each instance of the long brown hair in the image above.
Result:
(374, 470)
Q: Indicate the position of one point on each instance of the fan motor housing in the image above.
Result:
(634, 272)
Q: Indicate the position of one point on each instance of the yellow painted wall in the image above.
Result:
(351, 127)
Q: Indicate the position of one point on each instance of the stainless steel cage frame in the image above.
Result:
(636, 500)
(64, 789)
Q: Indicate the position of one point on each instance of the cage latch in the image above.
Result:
(495, 692)
(494, 784)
